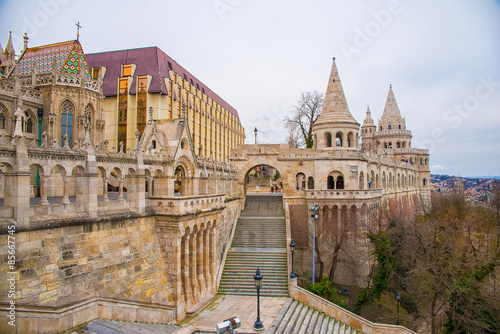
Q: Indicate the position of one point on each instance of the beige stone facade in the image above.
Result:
(353, 184)
(140, 231)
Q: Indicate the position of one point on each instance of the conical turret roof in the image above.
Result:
(368, 119)
(335, 109)
(391, 109)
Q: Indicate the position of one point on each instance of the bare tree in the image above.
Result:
(304, 115)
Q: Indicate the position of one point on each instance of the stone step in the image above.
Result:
(259, 242)
(269, 267)
(251, 272)
(297, 318)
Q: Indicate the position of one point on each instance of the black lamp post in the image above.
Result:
(314, 216)
(255, 132)
(398, 299)
(258, 284)
(292, 250)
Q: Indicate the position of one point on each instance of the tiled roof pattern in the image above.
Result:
(67, 56)
(149, 61)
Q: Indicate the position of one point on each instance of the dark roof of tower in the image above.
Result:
(149, 61)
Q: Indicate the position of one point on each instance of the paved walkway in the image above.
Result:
(227, 306)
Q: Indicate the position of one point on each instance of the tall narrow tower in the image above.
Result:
(368, 130)
(335, 128)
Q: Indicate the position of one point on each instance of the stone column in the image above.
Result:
(152, 190)
(206, 259)
(195, 186)
(186, 284)
(66, 180)
(105, 197)
(17, 185)
(192, 268)
(211, 255)
(120, 190)
(199, 262)
(136, 194)
(43, 190)
(86, 192)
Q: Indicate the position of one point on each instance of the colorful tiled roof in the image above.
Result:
(149, 61)
(67, 56)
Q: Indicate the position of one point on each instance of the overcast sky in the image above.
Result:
(442, 58)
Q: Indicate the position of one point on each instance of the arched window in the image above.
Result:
(310, 183)
(350, 140)
(178, 176)
(3, 117)
(67, 111)
(361, 180)
(385, 145)
(301, 181)
(328, 139)
(390, 144)
(340, 182)
(404, 144)
(330, 183)
(398, 144)
(425, 182)
(28, 122)
(338, 139)
(390, 127)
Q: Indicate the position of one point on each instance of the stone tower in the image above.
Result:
(335, 128)
(368, 130)
(392, 131)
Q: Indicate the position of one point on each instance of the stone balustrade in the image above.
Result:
(343, 194)
(392, 133)
(180, 205)
(341, 314)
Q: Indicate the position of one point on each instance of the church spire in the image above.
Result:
(335, 107)
(9, 49)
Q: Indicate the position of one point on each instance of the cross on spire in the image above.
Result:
(78, 26)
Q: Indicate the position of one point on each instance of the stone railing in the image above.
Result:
(6, 87)
(187, 204)
(32, 94)
(68, 79)
(39, 319)
(392, 133)
(341, 314)
(65, 79)
(343, 194)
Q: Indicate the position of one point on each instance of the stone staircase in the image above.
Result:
(259, 241)
(297, 318)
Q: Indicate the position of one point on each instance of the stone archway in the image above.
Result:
(183, 177)
(263, 178)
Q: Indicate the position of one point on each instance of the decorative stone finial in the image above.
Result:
(25, 40)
